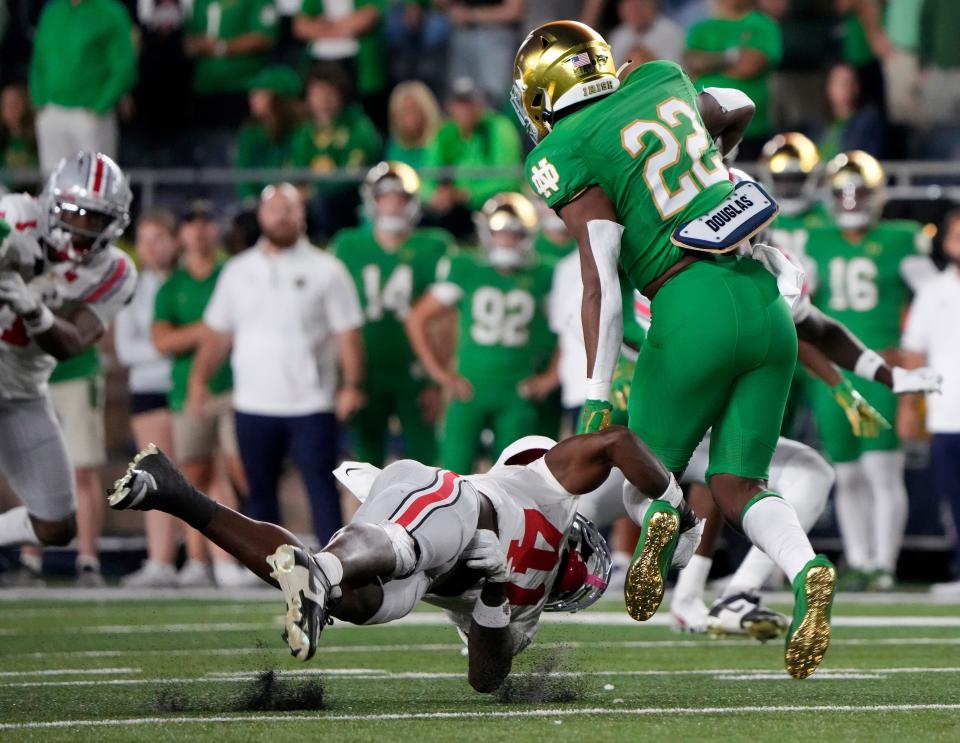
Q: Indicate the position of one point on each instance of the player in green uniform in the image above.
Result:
(505, 348)
(392, 262)
(632, 164)
(865, 271)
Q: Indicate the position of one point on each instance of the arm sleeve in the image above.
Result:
(765, 37)
(163, 304)
(123, 62)
(604, 237)
(219, 313)
(916, 333)
(341, 301)
(917, 267)
(447, 288)
(115, 291)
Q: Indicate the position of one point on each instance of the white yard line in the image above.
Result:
(486, 715)
(70, 672)
(425, 619)
(377, 674)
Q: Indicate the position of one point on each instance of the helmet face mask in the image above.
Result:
(86, 204)
(558, 65)
(391, 201)
(790, 165)
(506, 227)
(584, 569)
(857, 190)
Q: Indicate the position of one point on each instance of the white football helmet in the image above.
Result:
(85, 205)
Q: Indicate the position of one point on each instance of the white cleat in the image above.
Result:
(743, 614)
(305, 589)
(689, 614)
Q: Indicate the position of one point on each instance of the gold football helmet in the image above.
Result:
(858, 188)
(507, 226)
(790, 165)
(391, 177)
(559, 64)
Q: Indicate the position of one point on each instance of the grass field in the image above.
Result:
(117, 668)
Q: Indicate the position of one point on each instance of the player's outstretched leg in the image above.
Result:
(310, 583)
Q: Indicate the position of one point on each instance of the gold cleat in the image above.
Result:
(647, 575)
(809, 635)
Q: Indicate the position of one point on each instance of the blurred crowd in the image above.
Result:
(240, 358)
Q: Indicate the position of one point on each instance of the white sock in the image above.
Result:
(86, 561)
(331, 566)
(853, 506)
(884, 473)
(32, 560)
(772, 525)
(16, 527)
(804, 480)
(620, 559)
(692, 581)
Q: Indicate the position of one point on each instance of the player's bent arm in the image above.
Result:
(212, 351)
(69, 336)
(726, 113)
(817, 362)
(842, 347)
(490, 645)
(581, 464)
(592, 220)
(352, 357)
(422, 315)
(176, 339)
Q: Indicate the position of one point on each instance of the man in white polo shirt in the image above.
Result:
(288, 311)
(932, 336)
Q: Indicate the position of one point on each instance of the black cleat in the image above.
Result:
(307, 592)
(743, 614)
(149, 476)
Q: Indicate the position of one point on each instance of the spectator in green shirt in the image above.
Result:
(473, 137)
(349, 33)
(737, 48)
(337, 134)
(265, 140)
(414, 117)
(18, 141)
(83, 62)
(229, 39)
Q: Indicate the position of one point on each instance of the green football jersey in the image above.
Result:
(504, 334)
(646, 146)
(791, 232)
(388, 284)
(549, 249)
(862, 284)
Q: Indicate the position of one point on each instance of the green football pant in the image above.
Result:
(494, 405)
(834, 428)
(371, 424)
(720, 353)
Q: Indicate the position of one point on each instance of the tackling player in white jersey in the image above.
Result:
(61, 284)
(494, 550)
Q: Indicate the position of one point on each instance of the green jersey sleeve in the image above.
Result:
(763, 35)
(263, 18)
(163, 308)
(557, 175)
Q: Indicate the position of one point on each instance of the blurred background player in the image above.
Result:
(501, 368)
(865, 269)
(149, 379)
(56, 254)
(392, 263)
(205, 440)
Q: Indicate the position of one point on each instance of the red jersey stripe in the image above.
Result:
(26, 225)
(420, 504)
(107, 285)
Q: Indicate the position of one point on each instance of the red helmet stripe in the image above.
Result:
(98, 175)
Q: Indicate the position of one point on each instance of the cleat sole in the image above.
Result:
(809, 642)
(291, 581)
(644, 587)
(120, 497)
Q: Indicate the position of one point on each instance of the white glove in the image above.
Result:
(789, 276)
(687, 545)
(484, 553)
(923, 379)
(17, 295)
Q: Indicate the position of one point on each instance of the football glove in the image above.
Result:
(17, 295)
(620, 386)
(485, 553)
(865, 420)
(923, 379)
(595, 416)
(789, 276)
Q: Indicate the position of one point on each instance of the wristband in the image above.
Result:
(867, 364)
(598, 389)
(39, 322)
(491, 617)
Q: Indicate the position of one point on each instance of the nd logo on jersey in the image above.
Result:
(545, 177)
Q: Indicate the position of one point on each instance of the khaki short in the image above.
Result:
(196, 438)
(79, 407)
